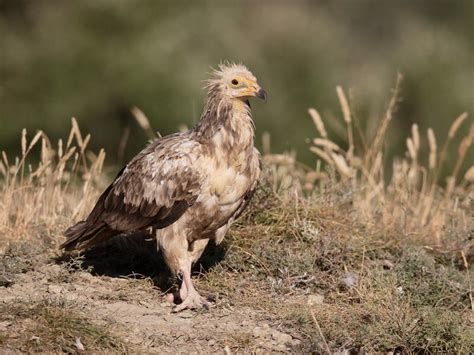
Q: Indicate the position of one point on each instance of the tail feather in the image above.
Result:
(84, 235)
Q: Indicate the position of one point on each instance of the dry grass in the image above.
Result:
(409, 199)
(381, 293)
(53, 327)
(388, 251)
(43, 197)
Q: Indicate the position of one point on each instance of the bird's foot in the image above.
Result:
(169, 298)
(176, 296)
(193, 301)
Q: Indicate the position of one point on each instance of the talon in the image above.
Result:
(193, 301)
(169, 297)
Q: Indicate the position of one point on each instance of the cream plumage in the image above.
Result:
(188, 187)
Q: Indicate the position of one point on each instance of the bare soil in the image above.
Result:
(128, 308)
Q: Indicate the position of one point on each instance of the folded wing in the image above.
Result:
(153, 190)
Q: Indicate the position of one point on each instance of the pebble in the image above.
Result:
(186, 314)
(55, 289)
(71, 297)
(387, 264)
(295, 342)
(400, 291)
(79, 344)
(280, 347)
(5, 282)
(350, 279)
(314, 300)
(4, 325)
(281, 338)
(258, 332)
(274, 338)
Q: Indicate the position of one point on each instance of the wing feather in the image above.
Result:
(158, 184)
(153, 190)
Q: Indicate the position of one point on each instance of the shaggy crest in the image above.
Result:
(218, 107)
(225, 72)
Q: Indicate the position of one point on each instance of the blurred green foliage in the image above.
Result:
(94, 59)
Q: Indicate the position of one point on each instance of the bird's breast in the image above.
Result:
(226, 181)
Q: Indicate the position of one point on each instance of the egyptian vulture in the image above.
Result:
(186, 187)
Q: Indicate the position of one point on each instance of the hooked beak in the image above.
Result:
(261, 94)
(253, 90)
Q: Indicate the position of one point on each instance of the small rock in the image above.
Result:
(55, 289)
(399, 290)
(79, 345)
(186, 314)
(347, 352)
(5, 282)
(4, 325)
(314, 300)
(295, 342)
(54, 268)
(211, 342)
(350, 279)
(70, 297)
(86, 276)
(78, 288)
(281, 338)
(258, 332)
(387, 264)
(136, 340)
(145, 304)
(280, 347)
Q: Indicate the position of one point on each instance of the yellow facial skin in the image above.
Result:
(245, 87)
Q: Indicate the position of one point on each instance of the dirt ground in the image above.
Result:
(128, 311)
(136, 313)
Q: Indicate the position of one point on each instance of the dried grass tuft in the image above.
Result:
(409, 199)
(52, 192)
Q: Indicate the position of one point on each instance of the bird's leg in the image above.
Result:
(183, 291)
(193, 299)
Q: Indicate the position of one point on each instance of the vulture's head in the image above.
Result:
(235, 81)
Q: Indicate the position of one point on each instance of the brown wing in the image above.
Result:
(153, 190)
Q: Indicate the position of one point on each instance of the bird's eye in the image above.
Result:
(234, 81)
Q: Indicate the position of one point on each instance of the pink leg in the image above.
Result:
(193, 299)
(183, 291)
